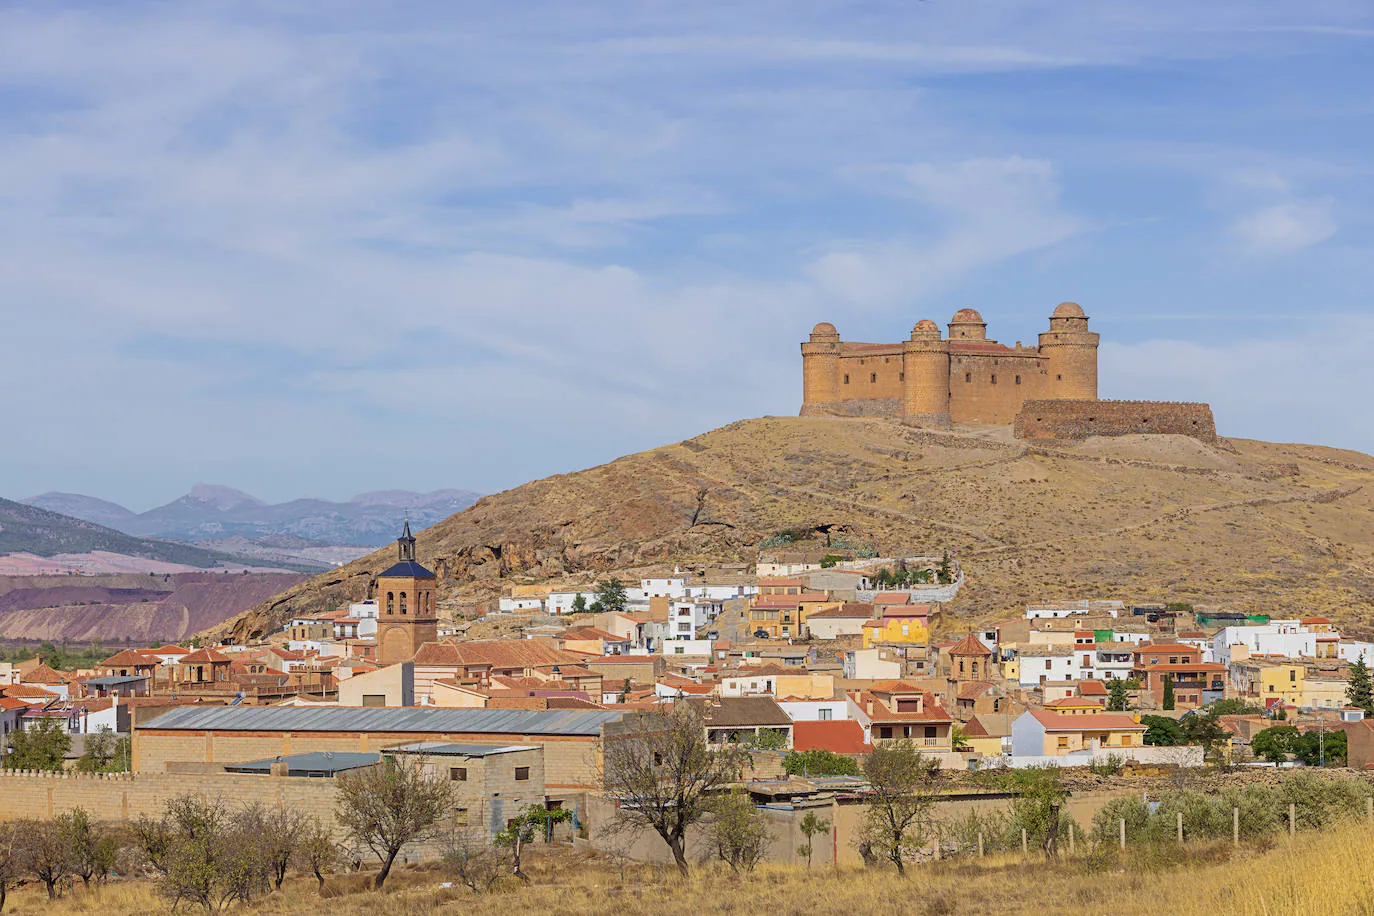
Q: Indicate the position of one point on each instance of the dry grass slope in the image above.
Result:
(1316, 875)
(1250, 525)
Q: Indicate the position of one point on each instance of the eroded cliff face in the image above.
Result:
(1244, 524)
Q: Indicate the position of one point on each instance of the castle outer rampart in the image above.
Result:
(930, 380)
(1070, 420)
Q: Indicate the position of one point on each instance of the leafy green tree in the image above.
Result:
(1234, 706)
(522, 829)
(1321, 748)
(1039, 806)
(1118, 696)
(42, 746)
(1168, 691)
(897, 809)
(765, 739)
(1161, 731)
(957, 741)
(579, 604)
(738, 832)
(812, 825)
(830, 561)
(944, 573)
(610, 596)
(1275, 744)
(1359, 691)
(105, 752)
(204, 853)
(47, 855)
(819, 762)
(1204, 728)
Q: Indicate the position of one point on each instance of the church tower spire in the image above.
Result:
(405, 544)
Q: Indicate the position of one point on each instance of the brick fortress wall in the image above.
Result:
(1079, 419)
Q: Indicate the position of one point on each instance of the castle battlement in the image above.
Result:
(935, 380)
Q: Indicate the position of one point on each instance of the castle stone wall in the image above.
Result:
(1079, 419)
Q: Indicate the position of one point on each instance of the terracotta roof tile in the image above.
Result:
(843, 736)
(969, 645)
(1102, 721)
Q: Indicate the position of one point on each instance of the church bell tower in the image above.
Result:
(406, 617)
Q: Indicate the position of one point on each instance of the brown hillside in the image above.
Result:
(1287, 529)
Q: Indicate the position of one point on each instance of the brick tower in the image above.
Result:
(405, 595)
(1071, 353)
(925, 374)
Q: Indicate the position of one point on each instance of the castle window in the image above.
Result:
(390, 602)
(846, 378)
(994, 380)
(968, 376)
(901, 377)
(403, 602)
(873, 377)
(1018, 380)
(1059, 378)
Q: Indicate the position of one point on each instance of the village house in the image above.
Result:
(1195, 682)
(1047, 733)
(897, 622)
(894, 710)
(845, 620)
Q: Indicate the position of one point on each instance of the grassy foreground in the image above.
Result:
(1323, 874)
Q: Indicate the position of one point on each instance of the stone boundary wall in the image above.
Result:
(1072, 420)
(887, 408)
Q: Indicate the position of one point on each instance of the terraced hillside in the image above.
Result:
(1288, 529)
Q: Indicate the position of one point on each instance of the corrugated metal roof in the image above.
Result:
(315, 762)
(446, 749)
(405, 719)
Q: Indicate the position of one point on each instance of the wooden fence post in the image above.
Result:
(1292, 820)
(1072, 828)
(1180, 826)
(980, 844)
(1235, 825)
(1024, 848)
(1123, 833)
(1369, 808)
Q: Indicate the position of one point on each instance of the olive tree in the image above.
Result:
(389, 805)
(660, 770)
(738, 831)
(11, 859)
(204, 853)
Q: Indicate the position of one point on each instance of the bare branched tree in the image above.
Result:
(45, 854)
(11, 859)
(660, 770)
(392, 804)
(900, 797)
(474, 862)
(279, 832)
(204, 853)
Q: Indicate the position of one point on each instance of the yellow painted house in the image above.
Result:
(1282, 682)
(895, 629)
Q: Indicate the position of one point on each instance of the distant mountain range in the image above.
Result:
(222, 514)
(32, 530)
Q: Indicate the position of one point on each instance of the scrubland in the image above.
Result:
(1326, 873)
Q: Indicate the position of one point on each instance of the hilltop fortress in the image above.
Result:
(1048, 391)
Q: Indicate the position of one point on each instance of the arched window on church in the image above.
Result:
(391, 602)
(403, 602)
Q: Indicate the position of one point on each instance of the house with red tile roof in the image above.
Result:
(895, 710)
(1195, 682)
(842, 736)
(1047, 733)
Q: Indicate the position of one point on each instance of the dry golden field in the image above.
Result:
(1247, 525)
(1318, 874)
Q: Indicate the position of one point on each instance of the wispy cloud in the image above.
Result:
(1284, 228)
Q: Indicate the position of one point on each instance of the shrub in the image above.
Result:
(819, 762)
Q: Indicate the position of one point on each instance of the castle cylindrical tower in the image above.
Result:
(1070, 353)
(820, 370)
(925, 376)
(967, 324)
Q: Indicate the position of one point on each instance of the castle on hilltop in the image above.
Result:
(1048, 391)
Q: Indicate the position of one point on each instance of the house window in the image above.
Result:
(930, 731)
(374, 699)
(885, 731)
(522, 774)
(1063, 742)
(1126, 740)
(460, 817)
(824, 715)
(458, 774)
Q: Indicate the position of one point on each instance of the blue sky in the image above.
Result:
(322, 248)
